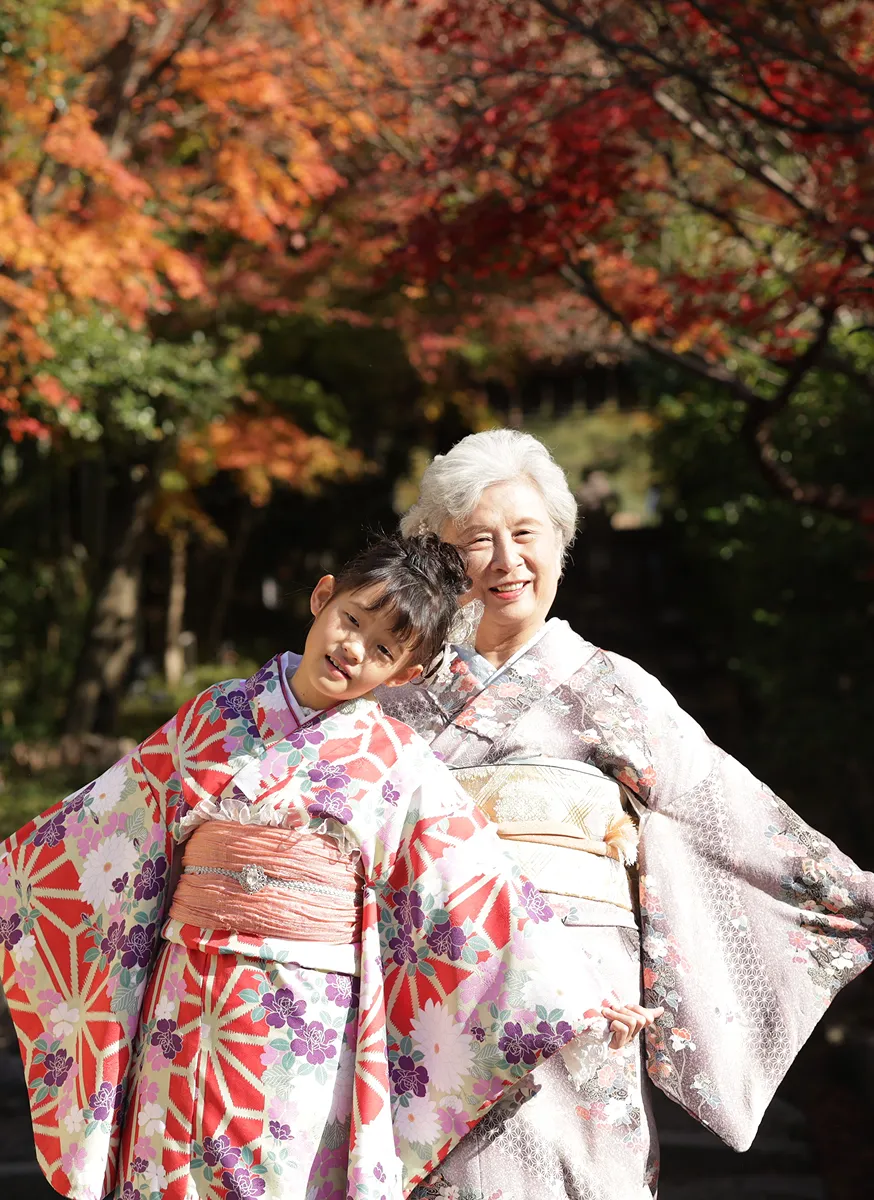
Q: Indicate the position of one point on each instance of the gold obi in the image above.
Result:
(563, 821)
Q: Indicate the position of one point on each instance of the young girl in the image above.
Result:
(347, 974)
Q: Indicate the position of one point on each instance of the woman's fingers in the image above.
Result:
(626, 1021)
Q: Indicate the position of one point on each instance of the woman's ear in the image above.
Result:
(321, 594)
(405, 675)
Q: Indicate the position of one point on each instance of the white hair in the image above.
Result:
(453, 483)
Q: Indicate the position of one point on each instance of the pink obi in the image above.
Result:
(273, 883)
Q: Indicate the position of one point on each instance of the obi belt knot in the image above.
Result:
(268, 882)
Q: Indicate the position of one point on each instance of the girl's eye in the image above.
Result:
(384, 650)
(352, 620)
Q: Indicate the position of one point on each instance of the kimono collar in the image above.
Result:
(486, 672)
(276, 711)
(554, 654)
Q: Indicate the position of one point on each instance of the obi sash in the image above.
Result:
(565, 823)
(269, 882)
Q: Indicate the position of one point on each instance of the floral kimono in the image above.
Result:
(167, 1060)
(749, 920)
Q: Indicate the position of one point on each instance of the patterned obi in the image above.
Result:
(565, 822)
(266, 882)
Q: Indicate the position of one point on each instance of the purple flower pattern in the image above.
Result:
(447, 940)
(314, 1041)
(281, 1132)
(301, 738)
(218, 1151)
(57, 1068)
(241, 1183)
(52, 833)
(137, 946)
(330, 775)
(331, 804)
(535, 905)
(130, 1192)
(342, 989)
(390, 794)
(235, 706)
(408, 1077)
(150, 880)
(549, 1039)
(284, 1009)
(105, 1100)
(518, 1046)
(10, 931)
(76, 802)
(403, 947)
(111, 942)
(167, 1038)
(408, 908)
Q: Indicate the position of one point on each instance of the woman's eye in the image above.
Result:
(480, 541)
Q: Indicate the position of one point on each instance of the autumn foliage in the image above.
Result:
(702, 174)
(162, 155)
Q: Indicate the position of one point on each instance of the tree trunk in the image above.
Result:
(233, 558)
(110, 635)
(174, 654)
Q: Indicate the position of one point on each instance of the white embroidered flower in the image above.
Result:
(655, 945)
(74, 1120)
(616, 1111)
(112, 859)
(418, 1122)
(109, 788)
(63, 1019)
(151, 1122)
(165, 1009)
(156, 1175)
(447, 1049)
(22, 951)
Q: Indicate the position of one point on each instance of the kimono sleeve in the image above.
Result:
(751, 921)
(479, 986)
(82, 892)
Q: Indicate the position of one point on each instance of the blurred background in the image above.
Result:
(259, 262)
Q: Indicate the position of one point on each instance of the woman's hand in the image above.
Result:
(627, 1020)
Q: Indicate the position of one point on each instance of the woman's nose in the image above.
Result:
(505, 554)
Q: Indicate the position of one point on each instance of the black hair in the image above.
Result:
(420, 578)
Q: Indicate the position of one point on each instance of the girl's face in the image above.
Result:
(513, 558)
(349, 651)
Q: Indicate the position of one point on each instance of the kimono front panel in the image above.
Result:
(444, 922)
(751, 921)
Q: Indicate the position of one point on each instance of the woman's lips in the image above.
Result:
(509, 591)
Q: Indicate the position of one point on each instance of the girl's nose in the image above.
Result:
(353, 650)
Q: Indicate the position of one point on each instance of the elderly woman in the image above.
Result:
(743, 921)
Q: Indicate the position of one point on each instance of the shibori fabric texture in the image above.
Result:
(750, 921)
(167, 1060)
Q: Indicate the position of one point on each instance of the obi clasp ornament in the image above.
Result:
(254, 879)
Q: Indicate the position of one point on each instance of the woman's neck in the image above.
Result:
(498, 645)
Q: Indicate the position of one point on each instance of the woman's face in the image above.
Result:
(513, 558)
